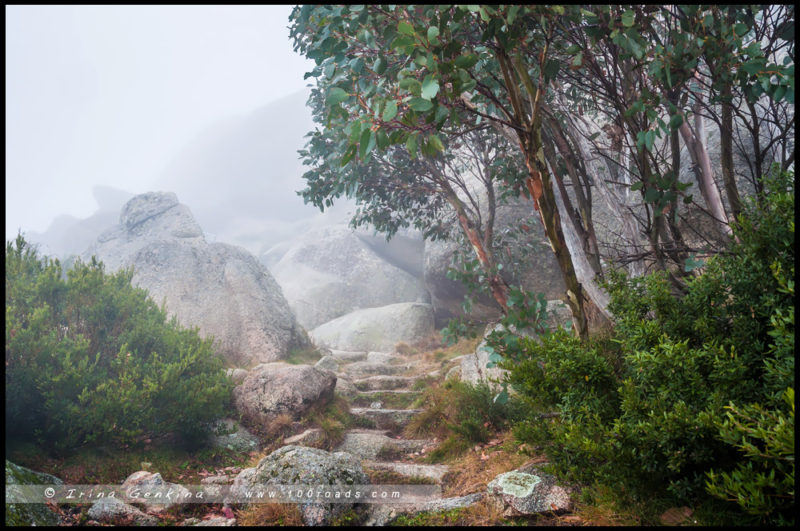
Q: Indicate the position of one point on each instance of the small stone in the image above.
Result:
(376, 405)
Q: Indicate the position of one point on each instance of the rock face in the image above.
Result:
(332, 271)
(376, 328)
(299, 465)
(28, 514)
(219, 288)
(271, 390)
(521, 493)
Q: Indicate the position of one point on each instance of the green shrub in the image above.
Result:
(685, 385)
(91, 359)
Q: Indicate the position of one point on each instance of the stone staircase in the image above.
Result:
(381, 389)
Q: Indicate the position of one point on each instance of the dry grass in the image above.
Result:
(268, 514)
(480, 465)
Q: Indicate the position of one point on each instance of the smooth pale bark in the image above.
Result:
(583, 268)
(705, 175)
(614, 197)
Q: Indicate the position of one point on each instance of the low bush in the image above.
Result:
(691, 394)
(91, 359)
(462, 415)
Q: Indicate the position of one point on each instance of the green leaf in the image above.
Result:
(637, 186)
(649, 138)
(693, 263)
(380, 66)
(366, 143)
(675, 121)
(551, 68)
(628, 18)
(577, 61)
(436, 143)
(433, 34)
(740, 29)
(512, 13)
(651, 195)
(430, 87)
(411, 85)
(593, 136)
(466, 61)
(420, 105)
(349, 154)
(336, 95)
(405, 28)
(390, 111)
(411, 145)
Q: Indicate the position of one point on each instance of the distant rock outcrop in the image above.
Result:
(219, 288)
(332, 271)
(376, 328)
(68, 236)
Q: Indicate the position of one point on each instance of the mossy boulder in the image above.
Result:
(28, 514)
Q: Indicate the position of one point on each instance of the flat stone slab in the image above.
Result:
(411, 470)
(348, 356)
(383, 357)
(383, 515)
(367, 368)
(368, 444)
(386, 418)
(383, 383)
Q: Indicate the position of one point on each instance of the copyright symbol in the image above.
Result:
(49, 492)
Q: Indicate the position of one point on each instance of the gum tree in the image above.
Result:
(398, 75)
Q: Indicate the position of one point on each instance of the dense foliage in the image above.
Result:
(689, 394)
(91, 359)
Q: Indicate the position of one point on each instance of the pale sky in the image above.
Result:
(110, 94)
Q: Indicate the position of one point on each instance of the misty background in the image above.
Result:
(104, 102)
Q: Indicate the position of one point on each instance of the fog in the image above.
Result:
(119, 95)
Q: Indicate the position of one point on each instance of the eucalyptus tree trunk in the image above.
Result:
(696, 143)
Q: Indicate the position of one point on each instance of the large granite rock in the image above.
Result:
(28, 514)
(274, 389)
(376, 328)
(219, 288)
(332, 271)
(156, 494)
(300, 465)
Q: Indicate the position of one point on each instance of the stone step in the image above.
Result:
(384, 514)
(411, 470)
(348, 356)
(385, 419)
(391, 398)
(310, 437)
(383, 383)
(376, 444)
(383, 357)
(359, 369)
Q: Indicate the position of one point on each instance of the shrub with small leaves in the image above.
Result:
(91, 359)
